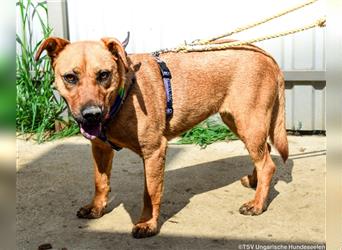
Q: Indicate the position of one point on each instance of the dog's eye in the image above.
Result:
(70, 78)
(103, 76)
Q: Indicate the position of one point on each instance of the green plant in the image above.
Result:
(207, 133)
(37, 107)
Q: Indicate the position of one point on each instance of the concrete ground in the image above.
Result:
(200, 204)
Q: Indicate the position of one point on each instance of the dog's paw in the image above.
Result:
(89, 212)
(250, 208)
(249, 181)
(145, 229)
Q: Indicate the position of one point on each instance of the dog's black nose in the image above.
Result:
(91, 114)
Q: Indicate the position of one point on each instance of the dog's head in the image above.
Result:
(88, 75)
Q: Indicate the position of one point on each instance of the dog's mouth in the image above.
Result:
(90, 130)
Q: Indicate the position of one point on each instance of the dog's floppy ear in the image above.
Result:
(53, 46)
(117, 49)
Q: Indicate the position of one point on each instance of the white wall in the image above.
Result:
(160, 24)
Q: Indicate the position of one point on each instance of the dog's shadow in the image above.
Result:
(61, 180)
(184, 183)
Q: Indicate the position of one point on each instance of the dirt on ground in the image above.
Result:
(202, 196)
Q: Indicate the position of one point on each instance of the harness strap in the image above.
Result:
(166, 75)
(104, 138)
(114, 109)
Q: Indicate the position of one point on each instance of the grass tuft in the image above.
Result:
(207, 133)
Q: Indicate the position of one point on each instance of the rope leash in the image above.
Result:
(249, 26)
(207, 45)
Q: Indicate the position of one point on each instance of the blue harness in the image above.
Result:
(166, 75)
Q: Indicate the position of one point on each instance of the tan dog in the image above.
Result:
(243, 84)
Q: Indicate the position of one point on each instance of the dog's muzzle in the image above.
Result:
(90, 126)
(92, 114)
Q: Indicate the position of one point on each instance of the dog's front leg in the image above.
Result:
(103, 157)
(154, 164)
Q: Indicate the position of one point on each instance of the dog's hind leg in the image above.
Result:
(265, 169)
(253, 130)
(103, 157)
(251, 180)
(154, 165)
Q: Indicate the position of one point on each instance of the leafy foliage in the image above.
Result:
(207, 133)
(37, 107)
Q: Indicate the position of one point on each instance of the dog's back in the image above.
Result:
(204, 83)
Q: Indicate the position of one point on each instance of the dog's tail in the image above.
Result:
(278, 134)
